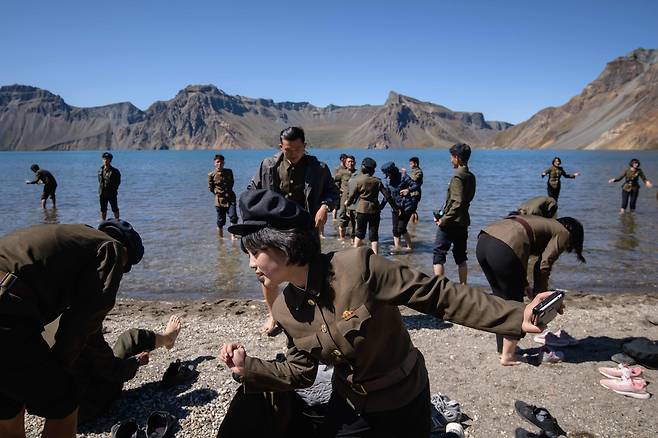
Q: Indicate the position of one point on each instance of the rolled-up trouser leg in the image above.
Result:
(134, 341)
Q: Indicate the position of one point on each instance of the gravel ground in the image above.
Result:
(462, 363)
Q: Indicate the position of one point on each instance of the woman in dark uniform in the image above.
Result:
(631, 187)
(341, 309)
(555, 172)
(503, 250)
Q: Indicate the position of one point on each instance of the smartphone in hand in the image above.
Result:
(545, 311)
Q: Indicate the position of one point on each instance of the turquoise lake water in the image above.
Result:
(164, 195)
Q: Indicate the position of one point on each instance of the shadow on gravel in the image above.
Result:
(139, 403)
(425, 321)
(593, 349)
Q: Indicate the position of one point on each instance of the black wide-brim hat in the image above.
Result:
(124, 232)
(269, 209)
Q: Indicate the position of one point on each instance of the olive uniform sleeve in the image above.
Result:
(397, 284)
(354, 193)
(455, 197)
(553, 249)
(331, 193)
(567, 175)
(211, 182)
(297, 371)
(104, 363)
(620, 177)
(94, 298)
(640, 174)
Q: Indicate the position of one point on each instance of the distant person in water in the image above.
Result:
(109, 180)
(554, 173)
(400, 187)
(49, 184)
(220, 183)
(343, 177)
(631, 187)
(416, 174)
(453, 219)
(337, 172)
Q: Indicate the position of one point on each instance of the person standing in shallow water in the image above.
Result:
(109, 180)
(342, 178)
(554, 173)
(220, 183)
(631, 187)
(49, 184)
(400, 187)
(416, 174)
(337, 172)
(453, 219)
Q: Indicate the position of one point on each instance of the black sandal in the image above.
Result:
(160, 424)
(179, 372)
(540, 417)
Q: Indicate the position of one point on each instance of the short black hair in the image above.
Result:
(292, 133)
(556, 158)
(351, 157)
(415, 160)
(219, 157)
(368, 170)
(34, 167)
(298, 245)
(342, 157)
(576, 235)
(634, 160)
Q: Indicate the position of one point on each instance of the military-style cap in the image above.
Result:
(266, 208)
(124, 232)
(462, 151)
(107, 155)
(388, 167)
(369, 163)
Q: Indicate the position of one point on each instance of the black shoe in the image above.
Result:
(160, 424)
(276, 330)
(522, 433)
(125, 429)
(540, 417)
(178, 372)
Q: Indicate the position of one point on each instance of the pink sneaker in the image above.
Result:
(620, 372)
(635, 388)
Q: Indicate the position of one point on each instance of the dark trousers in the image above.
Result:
(369, 221)
(223, 211)
(553, 192)
(112, 199)
(400, 223)
(447, 236)
(503, 270)
(350, 221)
(412, 420)
(632, 195)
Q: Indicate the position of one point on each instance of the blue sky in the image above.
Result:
(507, 59)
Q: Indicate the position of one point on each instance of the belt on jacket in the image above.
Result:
(526, 227)
(391, 378)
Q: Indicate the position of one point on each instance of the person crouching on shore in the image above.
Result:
(341, 309)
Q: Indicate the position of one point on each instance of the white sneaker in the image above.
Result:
(454, 430)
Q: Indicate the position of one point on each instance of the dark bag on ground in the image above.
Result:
(643, 350)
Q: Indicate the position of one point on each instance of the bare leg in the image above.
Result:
(396, 242)
(220, 232)
(357, 242)
(14, 427)
(270, 295)
(375, 247)
(463, 272)
(43, 203)
(438, 270)
(116, 214)
(168, 338)
(103, 215)
(62, 427)
(341, 232)
(414, 217)
(407, 238)
(54, 201)
(508, 356)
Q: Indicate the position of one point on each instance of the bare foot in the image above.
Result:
(268, 326)
(171, 331)
(509, 361)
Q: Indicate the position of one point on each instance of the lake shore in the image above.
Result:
(462, 363)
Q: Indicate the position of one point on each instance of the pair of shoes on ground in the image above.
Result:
(559, 338)
(541, 418)
(160, 424)
(625, 380)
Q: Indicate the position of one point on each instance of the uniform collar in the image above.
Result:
(315, 282)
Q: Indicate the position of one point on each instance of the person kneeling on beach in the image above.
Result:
(101, 371)
(47, 271)
(341, 309)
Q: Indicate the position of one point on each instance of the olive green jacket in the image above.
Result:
(631, 178)
(220, 183)
(72, 270)
(366, 194)
(109, 181)
(550, 240)
(461, 192)
(348, 317)
(554, 174)
(539, 206)
(416, 174)
(342, 178)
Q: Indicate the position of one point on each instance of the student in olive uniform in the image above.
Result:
(631, 187)
(351, 208)
(400, 187)
(301, 178)
(337, 171)
(220, 183)
(343, 177)
(47, 271)
(366, 196)
(49, 184)
(503, 250)
(416, 174)
(452, 225)
(109, 180)
(101, 371)
(544, 206)
(555, 172)
(342, 309)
